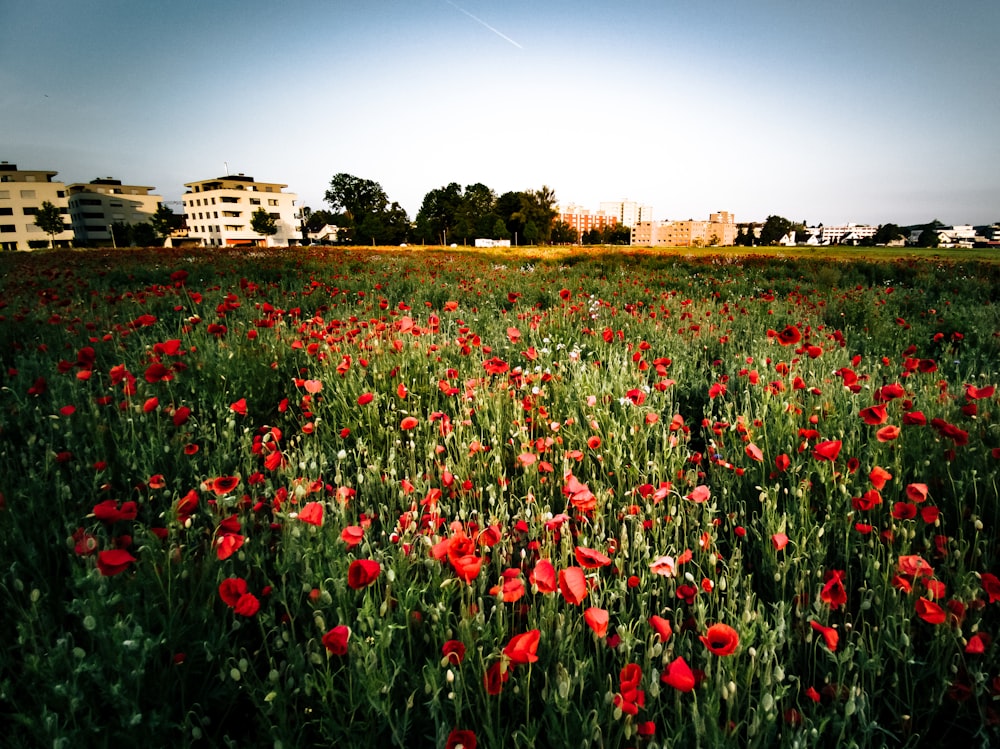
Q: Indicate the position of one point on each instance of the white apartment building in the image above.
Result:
(219, 212)
(844, 233)
(628, 212)
(22, 193)
(95, 206)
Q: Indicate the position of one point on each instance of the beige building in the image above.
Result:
(219, 212)
(22, 193)
(719, 230)
(95, 206)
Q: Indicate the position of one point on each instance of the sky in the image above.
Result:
(868, 111)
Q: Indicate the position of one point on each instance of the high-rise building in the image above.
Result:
(22, 192)
(95, 206)
(628, 212)
(219, 212)
(582, 220)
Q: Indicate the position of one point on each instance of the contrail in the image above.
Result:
(483, 23)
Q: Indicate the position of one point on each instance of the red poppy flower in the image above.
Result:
(974, 393)
(699, 494)
(231, 589)
(887, 433)
(721, 639)
(543, 577)
(573, 585)
(365, 398)
(665, 566)
(453, 651)
(461, 740)
(224, 484)
(352, 535)
(362, 573)
(467, 566)
(930, 612)
(878, 477)
(977, 643)
(754, 453)
(591, 558)
(594, 442)
(312, 513)
(181, 415)
(904, 511)
(789, 336)
(833, 593)
(828, 450)
(495, 365)
(779, 541)
(991, 584)
(512, 589)
(239, 407)
(782, 462)
(661, 626)
(597, 620)
(830, 636)
(523, 648)
(874, 415)
(227, 544)
(678, 675)
(408, 423)
(247, 605)
(495, 677)
(916, 492)
(335, 641)
(114, 561)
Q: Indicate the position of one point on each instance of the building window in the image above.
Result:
(274, 215)
(94, 215)
(254, 201)
(6, 211)
(5, 194)
(27, 194)
(272, 201)
(30, 210)
(117, 204)
(7, 228)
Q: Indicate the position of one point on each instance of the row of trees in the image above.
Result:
(448, 215)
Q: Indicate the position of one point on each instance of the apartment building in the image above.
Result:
(627, 212)
(219, 212)
(22, 192)
(844, 233)
(582, 220)
(95, 206)
(719, 230)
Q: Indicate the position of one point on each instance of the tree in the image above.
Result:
(263, 223)
(143, 235)
(49, 219)
(367, 213)
(775, 227)
(563, 233)
(164, 222)
(928, 238)
(499, 230)
(121, 234)
(888, 233)
(538, 209)
(355, 196)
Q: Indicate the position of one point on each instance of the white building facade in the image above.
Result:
(22, 193)
(219, 212)
(95, 206)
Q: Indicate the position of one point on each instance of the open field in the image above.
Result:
(543, 498)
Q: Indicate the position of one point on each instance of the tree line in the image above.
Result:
(451, 214)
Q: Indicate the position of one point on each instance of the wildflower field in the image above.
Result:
(296, 498)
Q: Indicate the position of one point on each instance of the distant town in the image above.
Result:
(38, 211)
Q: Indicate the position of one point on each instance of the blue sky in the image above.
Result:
(846, 110)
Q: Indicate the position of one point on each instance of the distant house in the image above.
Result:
(492, 243)
(328, 234)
